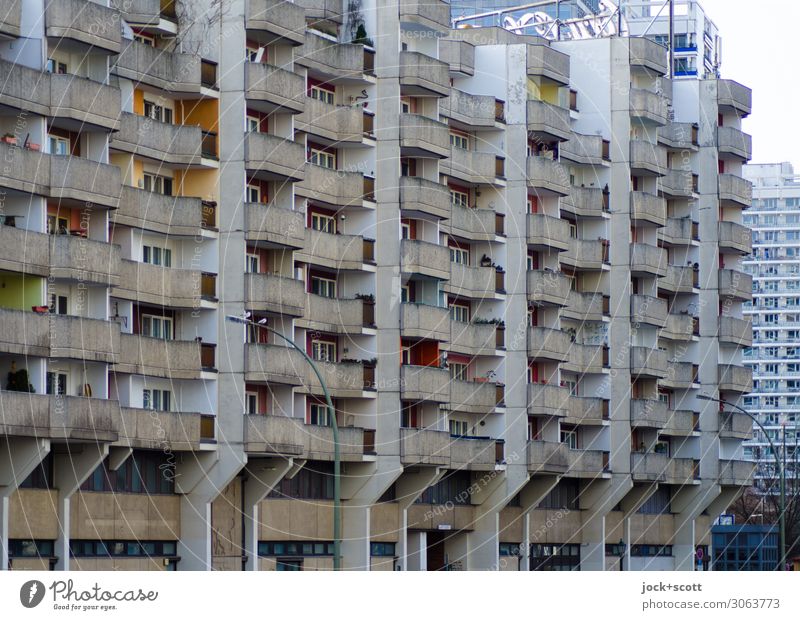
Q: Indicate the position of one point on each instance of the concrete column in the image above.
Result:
(416, 558)
(598, 499)
(688, 504)
(408, 488)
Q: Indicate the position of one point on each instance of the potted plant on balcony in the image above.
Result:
(9, 138)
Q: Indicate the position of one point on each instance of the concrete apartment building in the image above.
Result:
(774, 356)
(517, 263)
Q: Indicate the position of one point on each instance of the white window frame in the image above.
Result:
(56, 144)
(459, 198)
(323, 94)
(251, 398)
(323, 223)
(253, 124)
(161, 327)
(54, 380)
(156, 255)
(155, 399)
(326, 287)
(253, 263)
(459, 141)
(324, 159)
(459, 256)
(458, 428)
(323, 351)
(459, 312)
(318, 414)
(458, 371)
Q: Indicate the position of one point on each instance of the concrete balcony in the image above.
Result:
(547, 176)
(273, 157)
(475, 338)
(548, 288)
(338, 123)
(586, 254)
(10, 16)
(23, 88)
(586, 307)
(648, 310)
(79, 338)
(23, 170)
(473, 282)
(341, 252)
(162, 142)
(681, 423)
(472, 167)
(735, 425)
(735, 191)
(428, 259)
(735, 284)
(586, 202)
(547, 457)
(83, 23)
(333, 187)
(735, 331)
(678, 184)
(680, 327)
(648, 413)
(79, 181)
(459, 55)
(736, 473)
(270, 89)
(647, 54)
(274, 225)
(24, 251)
(588, 463)
(147, 12)
(424, 383)
(648, 260)
(24, 333)
(736, 238)
(474, 111)
(679, 279)
(680, 375)
(475, 396)
(71, 418)
(170, 359)
(548, 121)
(171, 215)
(680, 136)
(423, 76)
(423, 137)
(476, 453)
(548, 400)
(586, 150)
(158, 68)
(656, 467)
(338, 61)
(269, 293)
(83, 260)
(179, 431)
(648, 159)
(427, 14)
(547, 344)
(275, 21)
(424, 447)
(475, 224)
(545, 62)
(151, 284)
(732, 97)
(424, 321)
(587, 411)
(648, 363)
(734, 144)
(648, 107)
(423, 196)
(679, 231)
(323, 10)
(546, 232)
(648, 208)
(338, 316)
(586, 359)
(735, 378)
(89, 103)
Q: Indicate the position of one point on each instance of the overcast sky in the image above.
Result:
(760, 45)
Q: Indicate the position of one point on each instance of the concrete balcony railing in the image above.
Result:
(680, 327)
(678, 184)
(85, 181)
(735, 191)
(548, 121)
(146, 12)
(428, 14)
(586, 254)
(648, 208)
(338, 316)
(163, 142)
(648, 159)
(84, 260)
(159, 68)
(547, 457)
(586, 150)
(473, 282)
(734, 143)
(24, 333)
(648, 413)
(648, 107)
(656, 467)
(340, 123)
(270, 293)
(735, 425)
(418, 194)
(323, 10)
(544, 61)
(423, 257)
(648, 259)
(588, 463)
(648, 310)
(158, 430)
(548, 176)
(10, 16)
(74, 418)
(470, 166)
(548, 344)
(586, 359)
(475, 338)
(735, 284)
(23, 88)
(475, 224)
(24, 251)
(334, 187)
(87, 23)
(344, 252)
(274, 364)
(334, 59)
(679, 279)
(586, 307)
(424, 447)
(735, 237)
(735, 378)
(475, 396)
(548, 288)
(424, 383)
(680, 136)
(152, 284)
(545, 231)
(648, 363)
(344, 379)
(422, 75)
(680, 375)
(84, 101)
(587, 410)
(478, 111)
(679, 231)
(271, 88)
(648, 54)
(476, 453)
(274, 157)
(79, 338)
(424, 321)
(272, 224)
(421, 136)
(586, 202)
(23, 170)
(282, 21)
(156, 357)
(736, 331)
(736, 473)
(681, 423)
(548, 400)
(733, 97)
(459, 55)
(171, 215)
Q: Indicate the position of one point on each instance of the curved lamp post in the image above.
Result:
(337, 458)
(778, 463)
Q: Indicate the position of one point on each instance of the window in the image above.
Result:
(382, 549)
(405, 294)
(323, 351)
(555, 557)
(406, 106)
(253, 126)
(147, 472)
(57, 383)
(314, 481)
(323, 287)
(459, 141)
(254, 53)
(252, 263)
(322, 158)
(31, 548)
(154, 255)
(253, 193)
(459, 198)
(122, 548)
(58, 304)
(323, 222)
(157, 112)
(459, 313)
(459, 428)
(405, 230)
(569, 436)
(318, 415)
(157, 326)
(157, 184)
(294, 548)
(453, 488)
(251, 403)
(59, 146)
(57, 225)
(458, 371)
(144, 39)
(156, 400)
(322, 94)
(459, 256)
(56, 66)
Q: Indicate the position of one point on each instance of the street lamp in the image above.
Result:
(337, 457)
(778, 464)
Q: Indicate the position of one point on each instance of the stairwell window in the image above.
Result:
(156, 400)
(154, 255)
